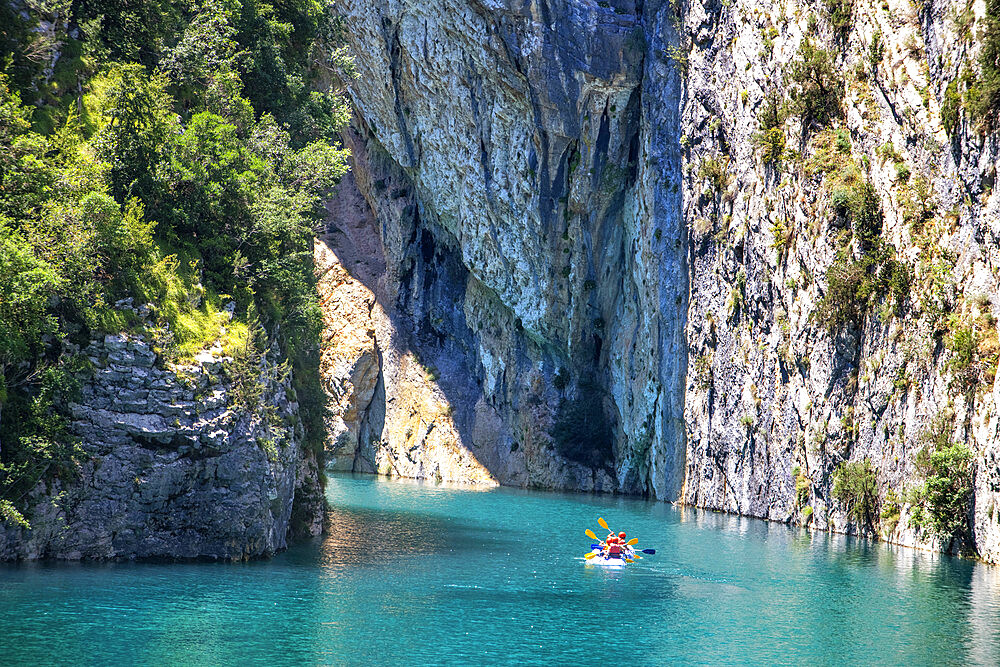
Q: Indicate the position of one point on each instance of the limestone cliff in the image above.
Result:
(172, 468)
(616, 279)
(504, 156)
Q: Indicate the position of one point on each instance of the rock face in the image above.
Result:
(619, 290)
(172, 470)
(388, 414)
(502, 151)
(775, 386)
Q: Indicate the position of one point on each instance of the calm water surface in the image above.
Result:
(413, 573)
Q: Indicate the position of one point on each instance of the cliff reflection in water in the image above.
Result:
(365, 536)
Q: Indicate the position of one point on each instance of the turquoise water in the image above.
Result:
(418, 574)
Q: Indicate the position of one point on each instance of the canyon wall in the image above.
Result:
(527, 199)
(602, 273)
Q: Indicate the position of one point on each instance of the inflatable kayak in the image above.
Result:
(599, 559)
(627, 555)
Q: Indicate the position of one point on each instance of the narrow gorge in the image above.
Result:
(721, 254)
(733, 255)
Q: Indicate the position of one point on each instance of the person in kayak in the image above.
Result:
(612, 549)
(626, 549)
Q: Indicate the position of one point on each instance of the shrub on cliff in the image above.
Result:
(771, 137)
(817, 90)
(943, 503)
(974, 349)
(983, 95)
(841, 13)
(854, 286)
(857, 281)
(855, 485)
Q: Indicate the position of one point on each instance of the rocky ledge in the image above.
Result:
(172, 470)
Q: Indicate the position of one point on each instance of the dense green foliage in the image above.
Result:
(771, 138)
(978, 92)
(855, 485)
(866, 274)
(984, 94)
(816, 95)
(841, 14)
(184, 171)
(855, 285)
(975, 351)
(943, 503)
(866, 271)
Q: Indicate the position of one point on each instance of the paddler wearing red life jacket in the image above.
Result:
(614, 546)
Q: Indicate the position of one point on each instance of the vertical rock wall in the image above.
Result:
(576, 217)
(773, 389)
(527, 198)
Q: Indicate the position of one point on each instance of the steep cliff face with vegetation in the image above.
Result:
(842, 327)
(161, 171)
(738, 255)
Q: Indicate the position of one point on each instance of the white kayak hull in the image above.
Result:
(605, 562)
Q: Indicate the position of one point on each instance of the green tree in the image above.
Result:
(128, 30)
(25, 177)
(855, 484)
(818, 89)
(123, 240)
(942, 505)
(26, 285)
(984, 94)
(134, 123)
(206, 53)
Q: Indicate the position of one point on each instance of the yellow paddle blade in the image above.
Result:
(629, 560)
(604, 524)
(590, 534)
(637, 556)
(590, 555)
(634, 541)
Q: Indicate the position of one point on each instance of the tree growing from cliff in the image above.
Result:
(771, 137)
(135, 124)
(942, 504)
(817, 90)
(855, 485)
(984, 93)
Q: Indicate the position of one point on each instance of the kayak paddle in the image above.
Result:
(649, 551)
(590, 534)
(604, 524)
(590, 555)
(634, 541)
